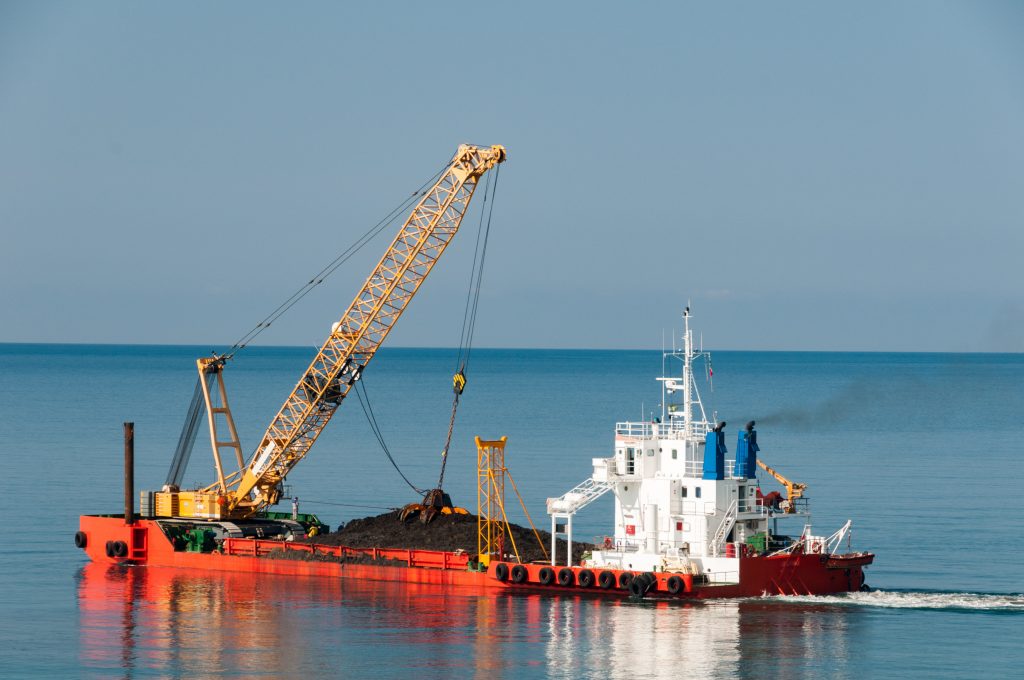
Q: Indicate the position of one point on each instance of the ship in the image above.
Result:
(689, 523)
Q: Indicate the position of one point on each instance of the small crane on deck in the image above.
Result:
(352, 343)
(794, 490)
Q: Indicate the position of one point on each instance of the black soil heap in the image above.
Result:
(445, 532)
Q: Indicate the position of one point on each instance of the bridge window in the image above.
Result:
(684, 492)
(697, 491)
(675, 454)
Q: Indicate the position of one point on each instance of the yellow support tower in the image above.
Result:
(490, 499)
(492, 521)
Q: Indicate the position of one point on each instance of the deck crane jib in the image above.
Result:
(337, 366)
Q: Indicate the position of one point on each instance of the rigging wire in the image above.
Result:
(350, 505)
(333, 265)
(364, 402)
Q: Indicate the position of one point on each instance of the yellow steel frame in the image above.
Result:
(492, 520)
(491, 523)
(356, 338)
(217, 405)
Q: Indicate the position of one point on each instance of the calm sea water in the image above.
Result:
(923, 451)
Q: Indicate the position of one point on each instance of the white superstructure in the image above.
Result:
(678, 507)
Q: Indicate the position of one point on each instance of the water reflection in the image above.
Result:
(139, 621)
(744, 639)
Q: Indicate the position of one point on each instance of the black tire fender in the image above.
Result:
(81, 540)
(566, 577)
(110, 548)
(625, 578)
(546, 576)
(586, 578)
(637, 587)
(120, 549)
(675, 585)
(606, 580)
(519, 574)
(501, 571)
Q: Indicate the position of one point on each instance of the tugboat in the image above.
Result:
(690, 521)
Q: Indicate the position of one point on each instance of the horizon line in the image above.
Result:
(527, 349)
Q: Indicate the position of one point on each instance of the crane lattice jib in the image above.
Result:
(355, 339)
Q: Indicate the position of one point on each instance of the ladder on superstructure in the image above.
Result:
(728, 522)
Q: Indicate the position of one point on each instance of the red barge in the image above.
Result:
(146, 545)
(689, 524)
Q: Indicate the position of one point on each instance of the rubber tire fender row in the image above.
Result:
(625, 578)
(501, 571)
(566, 577)
(606, 580)
(81, 540)
(546, 576)
(519, 574)
(675, 585)
(586, 578)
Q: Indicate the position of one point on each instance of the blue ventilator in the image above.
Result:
(746, 455)
(714, 455)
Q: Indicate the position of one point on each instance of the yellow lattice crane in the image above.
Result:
(794, 490)
(338, 365)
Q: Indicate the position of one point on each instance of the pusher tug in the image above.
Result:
(688, 522)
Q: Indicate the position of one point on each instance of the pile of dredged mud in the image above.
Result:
(445, 532)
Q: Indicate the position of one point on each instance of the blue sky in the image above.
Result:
(809, 175)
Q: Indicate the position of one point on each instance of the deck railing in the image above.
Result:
(431, 559)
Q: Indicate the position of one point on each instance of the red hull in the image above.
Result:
(145, 544)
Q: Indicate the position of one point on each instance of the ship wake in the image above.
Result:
(1008, 603)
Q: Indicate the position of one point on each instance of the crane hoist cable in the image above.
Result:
(465, 339)
(469, 315)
